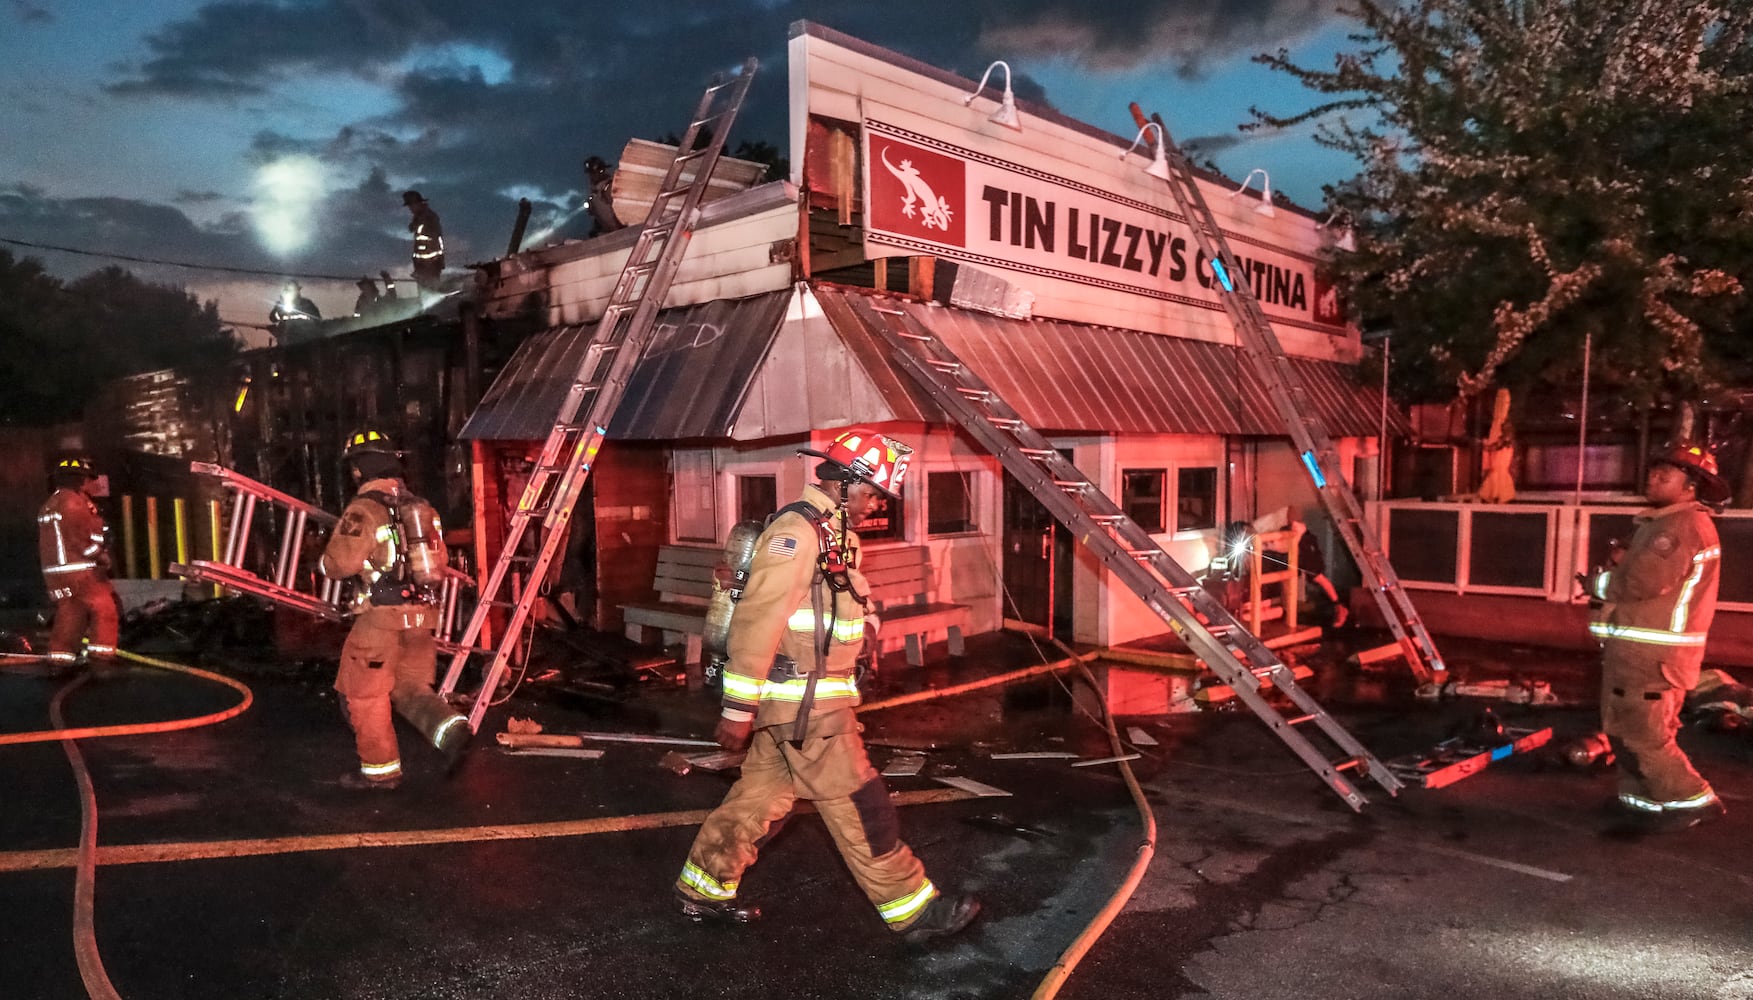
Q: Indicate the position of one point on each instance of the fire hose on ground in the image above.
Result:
(1061, 971)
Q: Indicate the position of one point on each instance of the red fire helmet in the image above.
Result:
(1699, 464)
(874, 458)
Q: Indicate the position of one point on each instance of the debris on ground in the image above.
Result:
(517, 725)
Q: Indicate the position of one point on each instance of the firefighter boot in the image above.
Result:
(725, 911)
(453, 743)
(353, 781)
(943, 917)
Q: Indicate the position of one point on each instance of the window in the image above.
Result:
(694, 500)
(757, 497)
(884, 524)
(1141, 497)
(1196, 499)
(949, 498)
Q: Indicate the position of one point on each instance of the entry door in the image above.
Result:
(1037, 563)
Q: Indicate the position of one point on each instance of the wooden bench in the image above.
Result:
(900, 591)
(684, 586)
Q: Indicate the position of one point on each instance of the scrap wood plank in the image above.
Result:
(1223, 692)
(1457, 758)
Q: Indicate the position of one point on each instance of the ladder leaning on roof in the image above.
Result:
(1295, 406)
(620, 339)
(1127, 550)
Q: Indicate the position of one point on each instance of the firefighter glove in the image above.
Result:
(733, 735)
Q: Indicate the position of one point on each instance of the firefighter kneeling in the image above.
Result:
(789, 694)
(391, 540)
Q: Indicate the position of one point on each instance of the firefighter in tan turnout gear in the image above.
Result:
(74, 545)
(789, 693)
(1660, 597)
(389, 539)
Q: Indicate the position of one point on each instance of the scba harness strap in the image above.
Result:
(395, 586)
(831, 559)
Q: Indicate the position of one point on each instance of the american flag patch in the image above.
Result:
(783, 547)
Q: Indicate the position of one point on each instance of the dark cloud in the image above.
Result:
(30, 13)
(187, 197)
(492, 103)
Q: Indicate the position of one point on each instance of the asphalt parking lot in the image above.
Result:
(231, 865)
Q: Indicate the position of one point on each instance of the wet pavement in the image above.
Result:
(236, 867)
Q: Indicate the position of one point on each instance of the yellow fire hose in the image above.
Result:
(141, 728)
(1080, 946)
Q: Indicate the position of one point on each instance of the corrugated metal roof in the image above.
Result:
(690, 384)
(1073, 378)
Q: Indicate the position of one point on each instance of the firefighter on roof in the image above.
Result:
(74, 545)
(1660, 596)
(391, 542)
(789, 693)
(428, 253)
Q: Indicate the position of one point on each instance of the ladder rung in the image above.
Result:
(982, 395)
(1006, 423)
(944, 366)
(1116, 519)
(1072, 485)
(1299, 720)
(1350, 764)
(1039, 453)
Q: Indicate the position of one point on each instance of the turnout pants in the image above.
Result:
(387, 668)
(834, 773)
(1642, 687)
(85, 612)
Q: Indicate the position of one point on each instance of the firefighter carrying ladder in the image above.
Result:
(1128, 551)
(1313, 443)
(620, 339)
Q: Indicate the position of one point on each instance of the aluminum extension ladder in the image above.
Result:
(621, 337)
(1314, 444)
(323, 598)
(1233, 653)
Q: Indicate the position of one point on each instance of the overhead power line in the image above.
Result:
(179, 263)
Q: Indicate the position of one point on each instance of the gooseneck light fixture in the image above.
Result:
(1006, 114)
(1265, 207)
(1159, 164)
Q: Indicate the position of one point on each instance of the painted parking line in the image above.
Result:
(202, 850)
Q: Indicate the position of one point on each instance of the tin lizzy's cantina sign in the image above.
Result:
(927, 196)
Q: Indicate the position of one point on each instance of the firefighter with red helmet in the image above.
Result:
(1659, 598)
(389, 661)
(788, 696)
(74, 545)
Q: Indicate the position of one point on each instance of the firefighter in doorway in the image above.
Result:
(74, 544)
(1659, 598)
(789, 693)
(389, 540)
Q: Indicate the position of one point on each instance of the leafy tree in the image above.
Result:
(60, 342)
(1534, 171)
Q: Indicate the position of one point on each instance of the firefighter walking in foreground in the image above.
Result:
(388, 538)
(789, 694)
(1660, 597)
(74, 545)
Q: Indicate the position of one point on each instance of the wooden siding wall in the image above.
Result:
(729, 260)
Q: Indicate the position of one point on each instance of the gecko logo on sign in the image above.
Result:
(917, 192)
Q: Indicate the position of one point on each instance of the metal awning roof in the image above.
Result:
(1061, 377)
(690, 384)
(1069, 377)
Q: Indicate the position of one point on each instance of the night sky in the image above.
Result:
(279, 135)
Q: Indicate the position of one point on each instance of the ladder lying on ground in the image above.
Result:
(324, 598)
(1315, 445)
(1231, 651)
(621, 336)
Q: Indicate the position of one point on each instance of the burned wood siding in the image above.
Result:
(632, 521)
